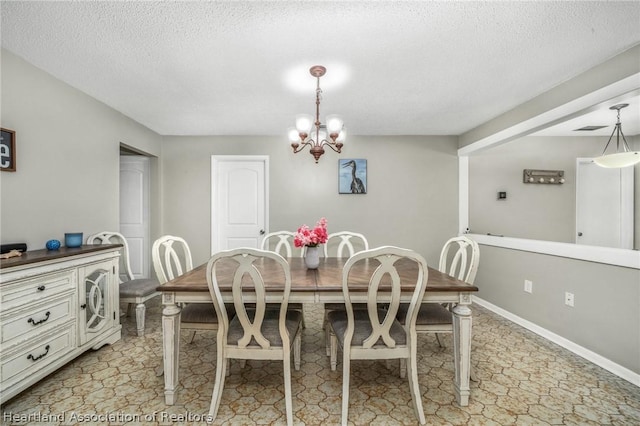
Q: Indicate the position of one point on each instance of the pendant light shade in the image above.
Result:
(304, 122)
(623, 156)
(617, 160)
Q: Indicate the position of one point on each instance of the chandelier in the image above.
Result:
(622, 157)
(313, 133)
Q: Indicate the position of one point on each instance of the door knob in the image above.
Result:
(579, 234)
(262, 232)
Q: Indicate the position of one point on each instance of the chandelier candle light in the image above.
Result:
(303, 134)
(621, 158)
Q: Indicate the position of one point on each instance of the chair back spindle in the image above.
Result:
(463, 262)
(110, 237)
(280, 242)
(171, 257)
(346, 243)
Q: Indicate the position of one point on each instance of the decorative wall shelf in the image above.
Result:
(549, 177)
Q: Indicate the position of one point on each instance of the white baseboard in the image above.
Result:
(585, 353)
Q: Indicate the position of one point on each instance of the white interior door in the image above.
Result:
(239, 201)
(134, 211)
(604, 205)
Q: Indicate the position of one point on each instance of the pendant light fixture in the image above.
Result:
(621, 157)
(313, 133)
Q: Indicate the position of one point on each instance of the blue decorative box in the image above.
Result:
(73, 239)
(53, 245)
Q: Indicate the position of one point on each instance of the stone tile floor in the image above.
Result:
(523, 380)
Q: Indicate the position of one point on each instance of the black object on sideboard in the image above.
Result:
(6, 248)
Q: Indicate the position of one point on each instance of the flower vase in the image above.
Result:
(312, 257)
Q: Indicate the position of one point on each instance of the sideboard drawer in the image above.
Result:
(37, 319)
(30, 359)
(29, 290)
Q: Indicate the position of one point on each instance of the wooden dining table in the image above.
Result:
(321, 285)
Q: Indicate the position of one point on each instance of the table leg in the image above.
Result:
(462, 349)
(170, 346)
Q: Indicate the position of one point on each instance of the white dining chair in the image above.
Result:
(375, 333)
(459, 257)
(171, 258)
(133, 291)
(281, 242)
(341, 244)
(255, 333)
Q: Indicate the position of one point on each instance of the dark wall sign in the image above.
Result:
(7, 150)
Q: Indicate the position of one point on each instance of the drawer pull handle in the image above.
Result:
(41, 288)
(35, 358)
(46, 317)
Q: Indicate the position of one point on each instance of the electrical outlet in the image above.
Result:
(528, 286)
(568, 299)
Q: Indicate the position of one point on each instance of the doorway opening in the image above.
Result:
(135, 189)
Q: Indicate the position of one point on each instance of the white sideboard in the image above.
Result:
(55, 305)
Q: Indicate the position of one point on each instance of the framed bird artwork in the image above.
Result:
(352, 176)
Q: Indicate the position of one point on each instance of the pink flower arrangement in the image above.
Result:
(311, 237)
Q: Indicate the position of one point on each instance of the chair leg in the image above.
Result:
(193, 335)
(221, 372)
(414, 386)
(438, 339)
(288, 399)
(327, 339)
(403, 368)
(140, 311)
(297, 351)
(327, 335)
(334, 351)
(346, 364)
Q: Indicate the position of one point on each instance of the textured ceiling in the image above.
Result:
(240, 68)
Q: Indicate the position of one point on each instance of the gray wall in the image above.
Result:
(67, 147)
(539, 212)
(605, 318)
(411, 198)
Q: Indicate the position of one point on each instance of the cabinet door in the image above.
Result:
(97, 312)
